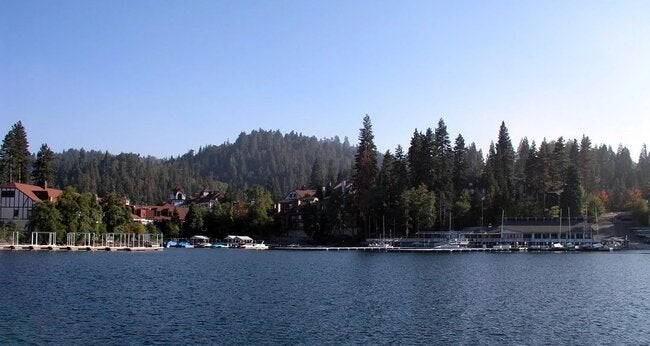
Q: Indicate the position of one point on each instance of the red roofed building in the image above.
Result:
(17, 201)
(156, 213)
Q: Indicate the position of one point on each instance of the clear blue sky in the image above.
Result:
(163, 77)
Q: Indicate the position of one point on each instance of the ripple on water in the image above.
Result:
(274, 297)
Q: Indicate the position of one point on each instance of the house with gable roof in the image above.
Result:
(17, 201)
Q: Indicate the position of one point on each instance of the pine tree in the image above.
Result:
(586, 166)
(644, 170)
(365, 171)
(460, 179)
(14, 156)
(417, 171)
(317, 176)
(504, 169)
(572, 193)
(560, 159)
(43, 167)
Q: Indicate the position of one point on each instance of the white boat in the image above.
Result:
(505, 247)
(453, 244)
(557, 246)
(255, 246)
(200, 241)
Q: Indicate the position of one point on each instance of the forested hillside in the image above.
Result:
(268, 158)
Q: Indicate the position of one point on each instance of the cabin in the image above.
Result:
(17, 201)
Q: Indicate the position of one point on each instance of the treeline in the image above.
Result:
(277, 162)
(435, 184)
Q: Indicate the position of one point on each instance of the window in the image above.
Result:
(8, 193)
(15, 212)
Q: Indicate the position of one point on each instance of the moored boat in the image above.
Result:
(255, 246)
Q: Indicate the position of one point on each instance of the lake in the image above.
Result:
(230, 296)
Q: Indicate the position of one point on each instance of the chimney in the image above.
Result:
(44, 184)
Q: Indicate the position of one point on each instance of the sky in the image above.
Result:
(163, 77)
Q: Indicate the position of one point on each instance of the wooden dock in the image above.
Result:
(388, 249)
(77, 248)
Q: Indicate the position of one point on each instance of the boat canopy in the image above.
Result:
(239, 237)
(199, 237)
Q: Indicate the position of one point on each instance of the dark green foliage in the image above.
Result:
(116, 213)
(365, 172)
(193, 224)
(266, 158)
(419, 208)
(259, 209)
(14, 156)
(46, 218)
(43, 168)
(572, 194)
(317, 176)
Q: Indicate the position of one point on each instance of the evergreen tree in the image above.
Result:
(586, 165)
(504, 169)
(460, 178)
(14, 156)
(560, 159)
(43, 167)
(442, 160)
(533, 188)
(417, 157)
(644, 170)
(317, 176)
(194, 220)
(572, 194)
(365, 171)
(401, 170)
(388, 190)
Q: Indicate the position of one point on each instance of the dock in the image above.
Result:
(78, 248)
(388, 249)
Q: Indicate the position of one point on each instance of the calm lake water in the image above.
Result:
(228, 296)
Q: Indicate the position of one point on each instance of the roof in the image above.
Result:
(242, 237)
(159, 212)
(534, 226)
(35, 193)
(301, 194)
(202, 237)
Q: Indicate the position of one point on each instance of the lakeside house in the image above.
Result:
(146, 214)
(17, 201)
(178, 203)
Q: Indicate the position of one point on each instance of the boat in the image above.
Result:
(503, 247)
(452, 244)
(185, 244)
(557, 247)
(218, 245)
(255, 246)
(200, 241)
(170, 243)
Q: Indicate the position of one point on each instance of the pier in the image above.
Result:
(77, 242)
(389, 249)
(8, 247)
